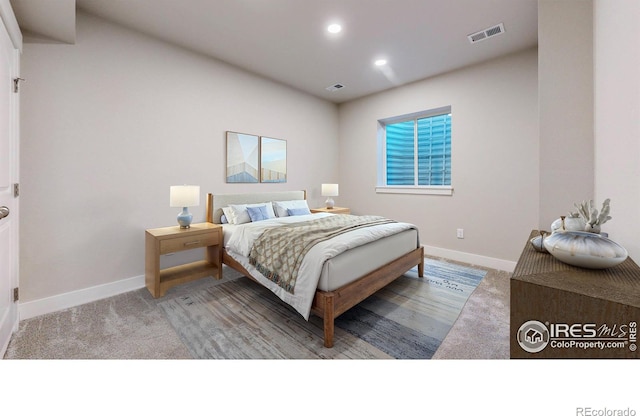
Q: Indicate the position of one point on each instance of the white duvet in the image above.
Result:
(243, 236)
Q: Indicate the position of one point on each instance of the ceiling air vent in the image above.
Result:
(486, 34)
(334, 87)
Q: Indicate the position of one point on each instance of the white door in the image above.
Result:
(9, 62)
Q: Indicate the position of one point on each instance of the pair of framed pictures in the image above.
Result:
(253, 159)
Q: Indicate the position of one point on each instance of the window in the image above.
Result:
(414, 153)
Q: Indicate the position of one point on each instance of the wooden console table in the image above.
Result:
(587, 313)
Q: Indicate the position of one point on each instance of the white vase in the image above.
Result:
(569, 224)
(538, 243)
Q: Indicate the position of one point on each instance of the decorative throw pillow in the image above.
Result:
(228, 214)
(223, 219)
(240, 215)
(258, 213)
(298, 211)
(281, 207)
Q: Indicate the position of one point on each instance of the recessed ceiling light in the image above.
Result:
(334, 28)
(380, 62)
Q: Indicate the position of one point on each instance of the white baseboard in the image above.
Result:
(490, 262)
(7, 329)
(69, 300)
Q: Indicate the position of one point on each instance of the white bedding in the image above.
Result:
(240, 241)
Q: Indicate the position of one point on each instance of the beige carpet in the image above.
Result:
(132, 326)
(482, 329)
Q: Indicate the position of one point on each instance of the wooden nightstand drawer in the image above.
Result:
(188, 242)
(334, 210)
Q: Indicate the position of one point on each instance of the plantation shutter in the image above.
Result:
(434, 150)
(400, 153)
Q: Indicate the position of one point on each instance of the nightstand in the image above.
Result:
(334, 210)
(159, 241)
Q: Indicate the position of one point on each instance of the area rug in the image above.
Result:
(408, 319)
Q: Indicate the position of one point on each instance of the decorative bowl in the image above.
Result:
(583, 249)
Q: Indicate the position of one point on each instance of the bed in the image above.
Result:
(337, 273)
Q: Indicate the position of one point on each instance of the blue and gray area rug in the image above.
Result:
(408, 319)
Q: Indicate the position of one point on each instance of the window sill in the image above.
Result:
(415, 190)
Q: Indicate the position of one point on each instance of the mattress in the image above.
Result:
(358, 261)
(355, 262)
(339, 270)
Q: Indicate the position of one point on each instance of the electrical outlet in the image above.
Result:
(460, 233)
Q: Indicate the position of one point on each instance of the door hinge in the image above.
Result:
(16, 190)
(16, 294)
(16, 84)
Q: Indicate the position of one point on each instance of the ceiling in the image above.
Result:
(46, 21)
(287, 41)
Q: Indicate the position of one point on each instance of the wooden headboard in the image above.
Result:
(215, 205)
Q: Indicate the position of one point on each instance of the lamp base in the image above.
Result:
(185, 218)
(330, 203)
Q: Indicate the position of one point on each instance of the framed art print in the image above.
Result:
(273, 160)
(242, 158)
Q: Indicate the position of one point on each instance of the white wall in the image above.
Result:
(494, 159)
(617, 117)
(108, 124)
(565, 71)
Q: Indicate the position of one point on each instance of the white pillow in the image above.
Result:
(228, 214)
(238, 213)
(281, 207)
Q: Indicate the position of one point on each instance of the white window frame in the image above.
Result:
(382, 187)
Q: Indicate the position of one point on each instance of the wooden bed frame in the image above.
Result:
(330, 305)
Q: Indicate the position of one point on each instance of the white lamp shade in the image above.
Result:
(184, 196)
(330, 189)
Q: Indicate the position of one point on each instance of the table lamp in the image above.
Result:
(329, 189)
(184, 196)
